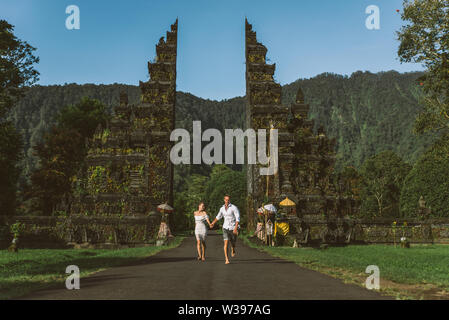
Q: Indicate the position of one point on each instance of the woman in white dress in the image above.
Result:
(201, 231)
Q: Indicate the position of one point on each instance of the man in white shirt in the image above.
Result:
(231, 216)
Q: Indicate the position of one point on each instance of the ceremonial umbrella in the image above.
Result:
(164, 208)
(270, 207)
(287, 203)
(164, 228)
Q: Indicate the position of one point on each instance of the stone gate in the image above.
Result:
(128, 163)
(129, 172)
(305, 159)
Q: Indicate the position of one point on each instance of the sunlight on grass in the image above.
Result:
(419, 264)
(32, 269)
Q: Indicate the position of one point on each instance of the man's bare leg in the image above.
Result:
(233, 245)
(226, 251)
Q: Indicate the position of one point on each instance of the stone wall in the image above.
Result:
(75, 230)
(318, 230)
(95, 231)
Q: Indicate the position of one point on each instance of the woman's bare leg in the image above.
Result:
(198, 247)
(204, 250)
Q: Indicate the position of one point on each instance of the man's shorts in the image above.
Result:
(229, 235)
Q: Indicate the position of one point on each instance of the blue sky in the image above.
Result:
(117, 38)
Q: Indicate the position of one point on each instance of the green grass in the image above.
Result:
(420, 264)
(32, 269)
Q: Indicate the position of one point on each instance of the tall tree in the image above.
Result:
(10, 154)
(60, 156)
(210, 189)
(187, 201)
(226, 181)
(16, 73)
(425, 39)
(429, 178)
(61, 153)
(382, 179)
(16, 67)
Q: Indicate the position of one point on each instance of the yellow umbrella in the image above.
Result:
(287, 203)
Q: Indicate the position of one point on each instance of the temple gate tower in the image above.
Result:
(305, 159)
(129, 171)
(264, 110)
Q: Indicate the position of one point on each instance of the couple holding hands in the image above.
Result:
(231, 216)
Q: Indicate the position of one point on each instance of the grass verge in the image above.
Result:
(420, 272)
(33, 269)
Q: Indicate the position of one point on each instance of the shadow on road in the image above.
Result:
(251, 261)
(156, 259)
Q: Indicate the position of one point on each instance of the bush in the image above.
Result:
(428, 178)
(5, 236)
(382, 181)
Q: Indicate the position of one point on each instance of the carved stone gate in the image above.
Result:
(128, 163)
(305, 159)
(129, 171)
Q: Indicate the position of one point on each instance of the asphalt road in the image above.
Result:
(177, 274)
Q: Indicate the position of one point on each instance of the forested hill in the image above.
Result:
(366, 112)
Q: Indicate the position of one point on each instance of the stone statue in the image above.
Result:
(422, 202)
(422, 208)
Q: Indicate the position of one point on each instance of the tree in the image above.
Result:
(360, 110)
(210, 189)
(429, 178)
(10, 154)
(382, 179)
(59, 161)
(186, 202)
(16, 67)
(425, 39)
(226, 181)
(16, 73)
(62, 152)
(83, 117)
(347, 182)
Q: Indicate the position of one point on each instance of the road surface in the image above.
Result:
(177, 274)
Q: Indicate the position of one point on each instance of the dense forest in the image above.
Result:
(372, 117)
(361, 111)
(391, 129)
